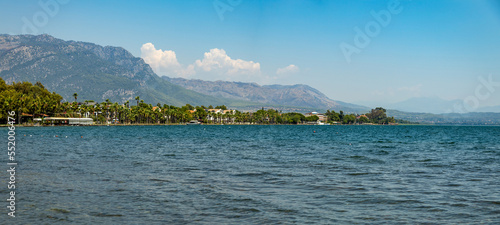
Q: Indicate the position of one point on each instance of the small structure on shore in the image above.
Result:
(193, 122)
(65, 121)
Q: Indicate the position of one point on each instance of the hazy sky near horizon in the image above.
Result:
(370, 52)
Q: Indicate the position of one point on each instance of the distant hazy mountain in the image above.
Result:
(291, 95)
(434, 105)
(473, 118)
(94, 72)
(489, 109)
(425, 105)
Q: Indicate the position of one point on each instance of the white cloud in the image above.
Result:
(289, 69)
(164, 62)
(218, 60)
(158, 57)
(215, 65)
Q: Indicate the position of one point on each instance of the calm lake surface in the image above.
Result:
(255, 175)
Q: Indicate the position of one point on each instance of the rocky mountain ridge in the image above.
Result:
(94, 72)
(292, 95)
(104, 72)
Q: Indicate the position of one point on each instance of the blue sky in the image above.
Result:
(426, 48)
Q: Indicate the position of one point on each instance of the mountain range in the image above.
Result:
(472, 118)
(291, 95)
(94, 72)
(98, 73)
(435, 105)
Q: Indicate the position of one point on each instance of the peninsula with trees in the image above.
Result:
(35, 103)
(110, 85)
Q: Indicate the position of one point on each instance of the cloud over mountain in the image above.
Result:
(164, 62)
(215, 64)
(289, 69)
(218, 60)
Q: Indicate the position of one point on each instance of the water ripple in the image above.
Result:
(258, 175)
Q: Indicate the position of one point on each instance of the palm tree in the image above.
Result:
(170, 114)
(137, 99)
(219, 117)
(224, 117)
(212, 116)
(183, 116)
(128, 115)
(176, 115)
(135, 113)
(146, 114)
(86, 109)
(114, 110)
(231, 117)
(74, 108)
(65, 107)
(164, 112)
(125, 109)
(75, 95)
(104, 107)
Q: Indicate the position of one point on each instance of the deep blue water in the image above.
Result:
(255, 175)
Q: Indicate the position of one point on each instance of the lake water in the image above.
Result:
(255, 175)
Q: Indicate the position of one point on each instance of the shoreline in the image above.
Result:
(109, 125)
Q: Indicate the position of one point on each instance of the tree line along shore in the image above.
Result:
(33, 104)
